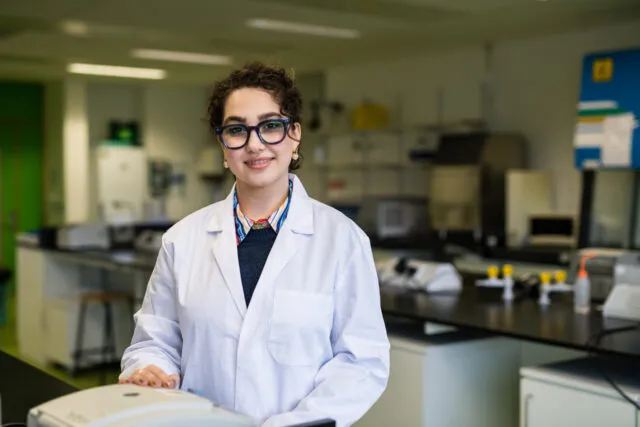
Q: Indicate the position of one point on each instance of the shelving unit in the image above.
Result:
(360, 164)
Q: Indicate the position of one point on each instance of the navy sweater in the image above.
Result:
(252, 255)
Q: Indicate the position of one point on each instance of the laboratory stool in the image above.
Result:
(108, 351)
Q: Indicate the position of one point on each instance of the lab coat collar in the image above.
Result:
(222, 224)
(299, 218)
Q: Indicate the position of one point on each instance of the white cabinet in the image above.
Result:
(30, 277)
(571, 394)
(449, 380)
(401, 403)
(47, 289)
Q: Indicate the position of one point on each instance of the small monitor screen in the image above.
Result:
(551, 226)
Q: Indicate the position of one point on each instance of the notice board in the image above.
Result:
(607, 135)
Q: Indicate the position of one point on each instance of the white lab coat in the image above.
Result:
(312, 343)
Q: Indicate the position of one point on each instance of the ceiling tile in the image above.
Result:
(43, 9)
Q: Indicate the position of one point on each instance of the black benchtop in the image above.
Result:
(23, 386)
(482, 310)
(123, 258)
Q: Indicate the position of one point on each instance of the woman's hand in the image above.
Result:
(152, 376)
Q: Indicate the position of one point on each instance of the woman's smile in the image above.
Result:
(259, 163)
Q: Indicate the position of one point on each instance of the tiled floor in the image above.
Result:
(9, 344)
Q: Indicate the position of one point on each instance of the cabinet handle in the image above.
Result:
(527, 398)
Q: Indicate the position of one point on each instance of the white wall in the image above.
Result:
(410, 87)
(174, 130)
(112, 101)
(54, 196)
(535, 90)
(76, 150)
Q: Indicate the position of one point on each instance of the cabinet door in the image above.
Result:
(549, 405)
(402, 403)
(30, 276)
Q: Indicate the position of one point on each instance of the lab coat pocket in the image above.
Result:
(300, 329)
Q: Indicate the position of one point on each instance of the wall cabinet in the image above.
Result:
(365, 164)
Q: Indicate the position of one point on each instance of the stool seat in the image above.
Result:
(104, 296)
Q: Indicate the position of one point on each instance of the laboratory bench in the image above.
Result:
(475, 309)
(52, 306)
(122, 259)
(483, 310)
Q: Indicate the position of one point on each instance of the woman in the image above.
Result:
(267, 302)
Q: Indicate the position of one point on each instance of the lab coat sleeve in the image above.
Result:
(352, 381)
(156, 338)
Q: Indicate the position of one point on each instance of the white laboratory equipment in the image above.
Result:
(122, 183)
(623, 301)
(552, 229)
(573, 393)
(123, 405)
(419, 275)
(83, 236)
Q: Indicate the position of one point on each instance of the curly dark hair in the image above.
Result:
(258, 75)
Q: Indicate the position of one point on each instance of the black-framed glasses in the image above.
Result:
(270, 131)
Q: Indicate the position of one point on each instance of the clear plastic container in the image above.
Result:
(582, 289)
(582, 295)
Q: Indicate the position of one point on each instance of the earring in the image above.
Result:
(226, 165)
(295, 156)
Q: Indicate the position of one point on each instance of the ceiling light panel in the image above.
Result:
(177, 56)
(303, 28)
(116, 71)
(75, 28)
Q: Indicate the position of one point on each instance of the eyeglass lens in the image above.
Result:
(270, 131)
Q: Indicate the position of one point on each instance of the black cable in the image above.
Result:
(14, 425)
(593, 343)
